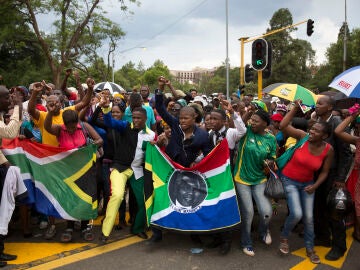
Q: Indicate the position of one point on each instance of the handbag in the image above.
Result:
(287, 155)
(274, 187)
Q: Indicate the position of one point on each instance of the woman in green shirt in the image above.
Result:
(255, 148)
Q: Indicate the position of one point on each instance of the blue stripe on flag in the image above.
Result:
(222, 215)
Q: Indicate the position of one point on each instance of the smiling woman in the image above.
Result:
(300, 181)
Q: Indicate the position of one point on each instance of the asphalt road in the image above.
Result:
(125, 251)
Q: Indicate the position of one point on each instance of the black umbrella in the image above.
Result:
(112, 87)
(344, 102)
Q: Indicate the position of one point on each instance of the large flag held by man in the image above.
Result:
(57, 180)
(197, 199)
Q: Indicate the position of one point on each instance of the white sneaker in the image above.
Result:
(267, 238)
(43, 225)
(249, 251)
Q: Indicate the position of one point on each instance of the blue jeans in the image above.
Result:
(246, 194)
(301, 206)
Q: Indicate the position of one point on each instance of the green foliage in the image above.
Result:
(21, 58)
(334, 54)
(152, 74)
(291, 57)
(79, 30)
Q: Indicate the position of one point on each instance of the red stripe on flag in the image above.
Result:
(36, 149)
(216, 158)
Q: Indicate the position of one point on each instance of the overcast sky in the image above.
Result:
(189, 33)
(185, 34)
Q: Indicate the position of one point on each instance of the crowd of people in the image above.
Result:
(187, 126)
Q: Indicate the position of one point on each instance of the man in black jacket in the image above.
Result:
(187, 141)
(328, 231)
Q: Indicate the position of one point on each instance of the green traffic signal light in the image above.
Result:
(259, 54)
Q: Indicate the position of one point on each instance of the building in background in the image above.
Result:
(193, 76)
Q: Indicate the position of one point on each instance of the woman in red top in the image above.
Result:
(298, 179)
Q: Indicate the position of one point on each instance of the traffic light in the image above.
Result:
(259, 58)
(267, 71)
(249, 74)
(310, 27)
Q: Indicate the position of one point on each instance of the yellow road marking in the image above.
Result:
(88, 253)
(321, 252)
(28, 252)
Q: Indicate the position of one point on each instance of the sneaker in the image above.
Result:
(43, 225)
(87, 234)
(267, 238)
(249, 251)
(66, 236)
(50, 233)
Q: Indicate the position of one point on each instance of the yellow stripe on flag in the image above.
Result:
(71, 182)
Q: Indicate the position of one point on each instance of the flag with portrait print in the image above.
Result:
(197, 199)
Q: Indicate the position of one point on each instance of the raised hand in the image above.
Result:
(38, 86)
(90, 83)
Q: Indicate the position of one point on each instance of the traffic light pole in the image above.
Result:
(259, 84)
(244, 40)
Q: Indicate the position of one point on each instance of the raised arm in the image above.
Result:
(110, 122)
(37, 89)
(93, 134)
(237, 120)
(86, 100)
(48, 125)
(342, 134)
(287, 128)
(64, 84)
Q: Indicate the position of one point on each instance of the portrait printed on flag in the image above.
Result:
(187, 190)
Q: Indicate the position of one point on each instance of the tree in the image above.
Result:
(129, 75)
(334, 56)
(152, 74)
(291, 58)
(79, 31)
(21, 58)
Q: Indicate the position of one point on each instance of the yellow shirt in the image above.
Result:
(48, 138)
(290, 142)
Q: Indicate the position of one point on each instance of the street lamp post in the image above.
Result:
(227, 51)
(345, 40)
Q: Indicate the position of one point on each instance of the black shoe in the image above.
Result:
(322, 243)
(225, 248)
(142, 235)
(334, 254)
(3, 264)
(215, 243)
(7, 257)
(154, 239)
(103, 239)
